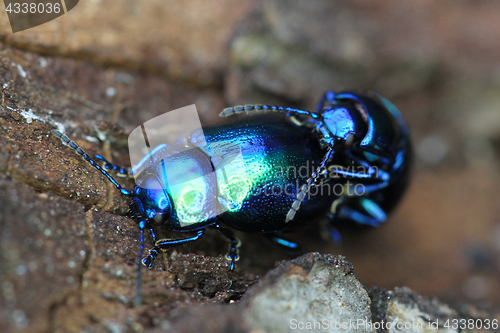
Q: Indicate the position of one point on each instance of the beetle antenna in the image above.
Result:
(64, 138)
(138, 280)
(263, 107)
(304, 189)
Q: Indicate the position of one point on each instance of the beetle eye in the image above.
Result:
(163, 203)
(350, 140)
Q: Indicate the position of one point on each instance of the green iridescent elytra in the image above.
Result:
(247, 176)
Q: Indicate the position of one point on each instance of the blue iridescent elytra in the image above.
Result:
(349, 159)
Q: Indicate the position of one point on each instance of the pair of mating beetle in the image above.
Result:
(358, 137)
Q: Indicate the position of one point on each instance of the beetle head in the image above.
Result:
(344, 121)
(150, 200)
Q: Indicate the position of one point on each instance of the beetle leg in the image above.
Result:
(361, 210)
(372, 180)
(234, 244)
(163, 244)
(358, 209)
(291, 248)
(380, 181)
(153, 234)
(374, 171)
(119, 171)
(327, 228)
(304, 189)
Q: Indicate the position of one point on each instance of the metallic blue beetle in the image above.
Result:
(367, 139)
(353, 140)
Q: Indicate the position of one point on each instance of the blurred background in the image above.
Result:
(126, 61)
